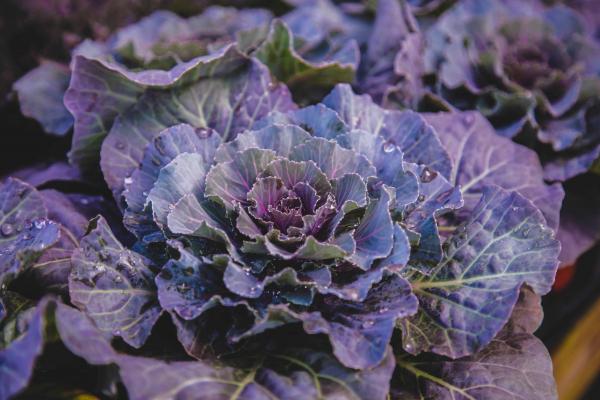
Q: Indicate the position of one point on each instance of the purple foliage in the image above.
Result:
(256, 208)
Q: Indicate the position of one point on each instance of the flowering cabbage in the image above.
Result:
(525, 67)
(276, 249)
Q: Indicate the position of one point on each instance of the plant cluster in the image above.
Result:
(349, 200)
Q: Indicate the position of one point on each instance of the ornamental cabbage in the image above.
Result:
(262, 231)
(529, 69)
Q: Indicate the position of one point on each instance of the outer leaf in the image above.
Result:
(332, 380)
(95, 102)
(312, 374)
(113, 286)
(45, 173)
(41, 93)
(24, 249)
(469, 296)
(25, 233)
(189, 286)
(278, 53)
(528, 313)
(512, 366)
(483, 158)
(82, 337)
(515, 356)
(358, 332)
(150, 378)
(296, 373)
(51, 270)
(21, 204)
(18, 358)
(229, 104)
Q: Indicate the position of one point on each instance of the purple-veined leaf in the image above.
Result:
(286, 374)
(293, 173)
(349, 187)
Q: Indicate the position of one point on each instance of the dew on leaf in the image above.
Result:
(7, 229)
(427, 175)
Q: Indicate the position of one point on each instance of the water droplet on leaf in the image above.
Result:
(183, 287)
(427, 175)
(39, 224)
(7, 229)
(388, 147)
(203, 133)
